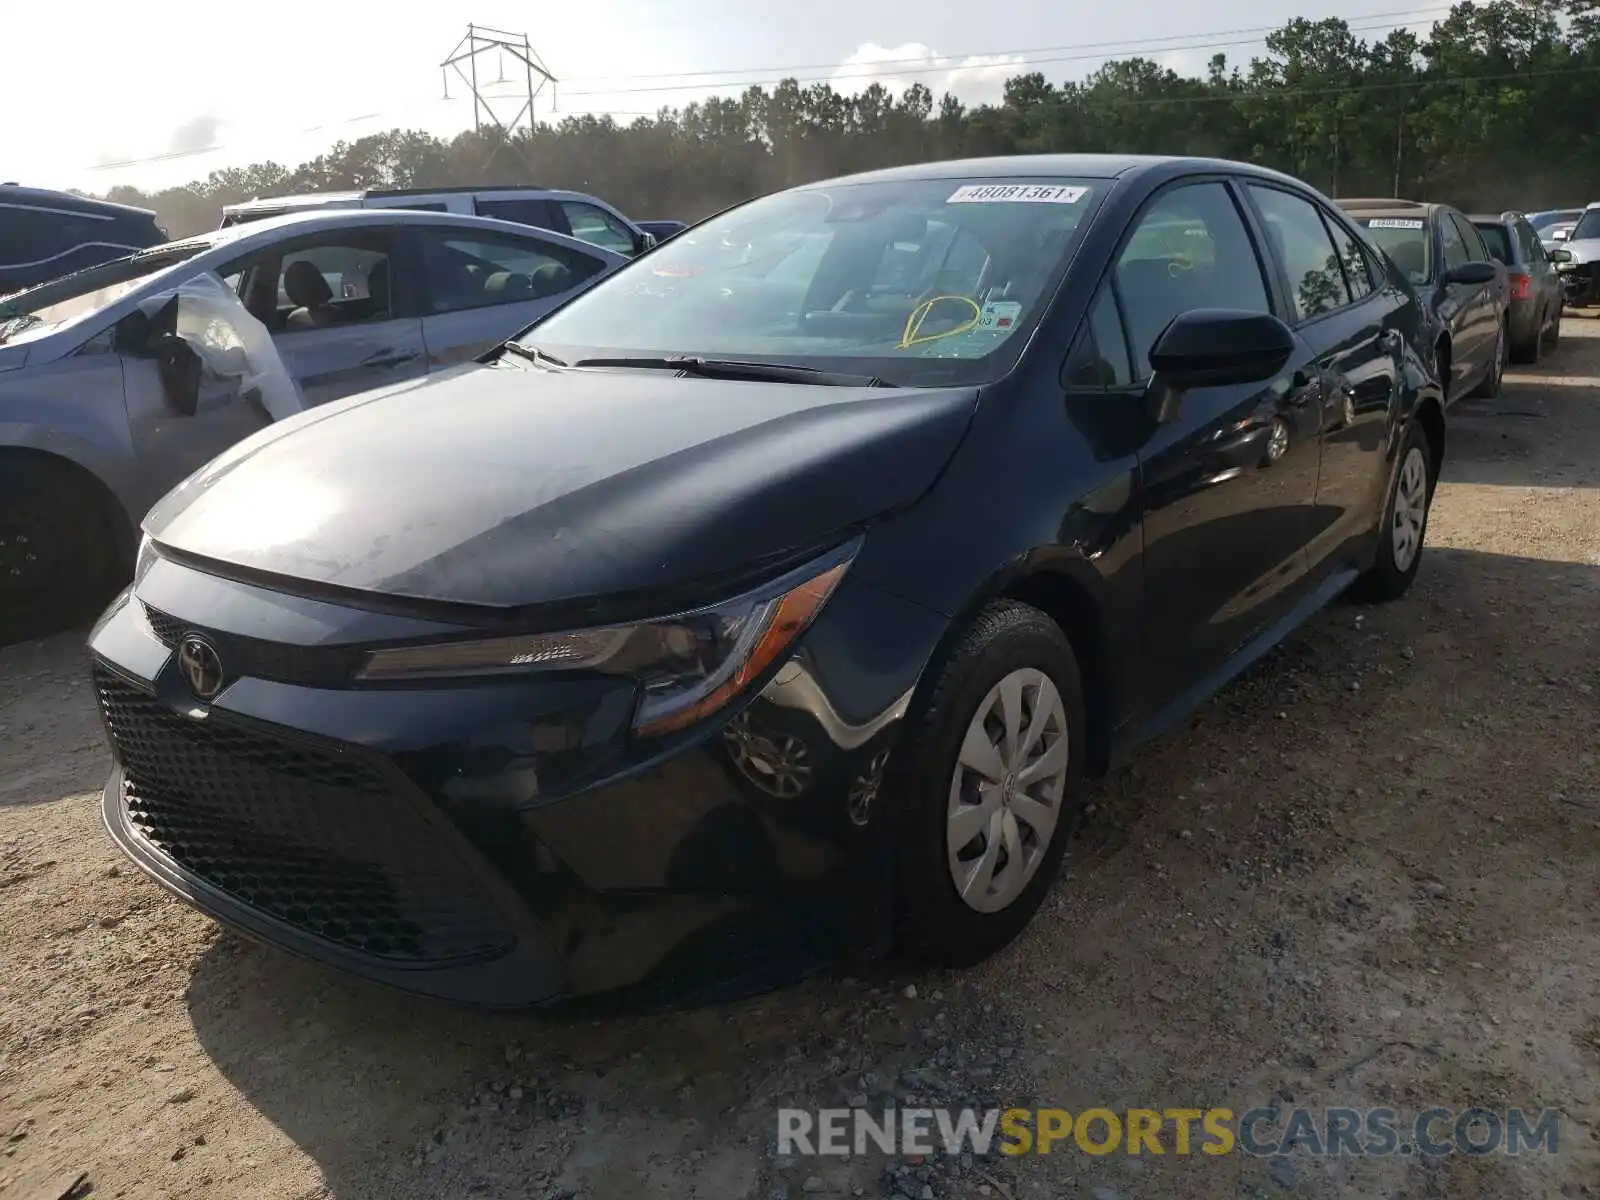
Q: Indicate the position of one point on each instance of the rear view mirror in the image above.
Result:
(1473, 273)
(1213, 347)
(1560, 256)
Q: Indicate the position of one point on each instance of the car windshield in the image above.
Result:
(924, 281)
(1588, 226)
(1498, 239)
(62, 302)
(1406, 241)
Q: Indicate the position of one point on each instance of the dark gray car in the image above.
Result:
(99, 415)
(1461, 285)
(1536, 297)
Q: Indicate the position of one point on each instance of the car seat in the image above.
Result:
(309, 291)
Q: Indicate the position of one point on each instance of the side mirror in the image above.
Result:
(180, 369)
(643, 240)
(1472, 273)
(1560, 256)
(1213, 347)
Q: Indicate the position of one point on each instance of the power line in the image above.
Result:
(1016, 59)
(1120, 43)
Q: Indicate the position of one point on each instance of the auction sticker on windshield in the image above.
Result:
(1017, 193)
(1394, 223)
(999, 314)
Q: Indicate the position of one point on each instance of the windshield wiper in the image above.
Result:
(733, 368)
(533, 354)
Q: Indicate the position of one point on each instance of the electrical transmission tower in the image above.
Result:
(463, 60)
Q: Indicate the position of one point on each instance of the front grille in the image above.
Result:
(313, 837)
(253, 658)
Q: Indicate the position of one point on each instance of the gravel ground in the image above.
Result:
(1366, 874)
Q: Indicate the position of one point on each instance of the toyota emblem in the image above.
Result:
(201, 666)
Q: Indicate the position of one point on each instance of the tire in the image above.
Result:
(1399, 558)
(1528, 351)
(1552, 336)
(1489, 387)
(1007, 645)
(58, 559)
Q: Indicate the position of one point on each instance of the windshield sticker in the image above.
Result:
(1017, 193)
(1000, 314)
(1394, 223)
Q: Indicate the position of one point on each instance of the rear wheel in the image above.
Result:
(1528, 351)
(58, 556)
(1552, 335)
(1405, 523)
(992, 787)
(1490, 385)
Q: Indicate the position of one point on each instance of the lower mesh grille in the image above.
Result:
(306, 835)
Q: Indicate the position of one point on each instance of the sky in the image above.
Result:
(156, 97)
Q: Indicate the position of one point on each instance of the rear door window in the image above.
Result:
(478, 270)
(538, 213)
(1302, 241)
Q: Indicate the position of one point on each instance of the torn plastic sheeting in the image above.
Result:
(231, 342)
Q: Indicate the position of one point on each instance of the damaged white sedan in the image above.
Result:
(120, 381)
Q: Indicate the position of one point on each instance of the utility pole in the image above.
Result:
(481, 39)
(1399, 145)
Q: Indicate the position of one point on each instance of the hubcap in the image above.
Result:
(1006, 792)
(1410, 508)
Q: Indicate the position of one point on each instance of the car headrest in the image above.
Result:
(305, 285)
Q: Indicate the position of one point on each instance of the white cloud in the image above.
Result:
(976, 80)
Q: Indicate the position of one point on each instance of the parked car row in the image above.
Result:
(768, 599)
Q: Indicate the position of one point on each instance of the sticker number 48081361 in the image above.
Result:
(1394, 223)
(1017, 193)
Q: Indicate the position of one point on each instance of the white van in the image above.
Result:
(575, 213)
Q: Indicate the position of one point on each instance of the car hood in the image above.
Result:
(508, 486)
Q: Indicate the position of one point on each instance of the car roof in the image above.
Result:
(268, 229)
(353, 198)
(28, 197)
(1082, 166)
(1393, 206)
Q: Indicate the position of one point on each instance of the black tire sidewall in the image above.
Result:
(55, 509)
(939, 925)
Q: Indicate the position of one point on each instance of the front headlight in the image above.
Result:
(688, 666)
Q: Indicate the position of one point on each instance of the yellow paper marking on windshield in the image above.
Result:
(912, 337)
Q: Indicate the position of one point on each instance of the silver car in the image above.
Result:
(112, 390)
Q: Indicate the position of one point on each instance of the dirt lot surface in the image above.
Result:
(1368, 874)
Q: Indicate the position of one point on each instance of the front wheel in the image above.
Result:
(1405, 523)
(57, 559)
(993, 789)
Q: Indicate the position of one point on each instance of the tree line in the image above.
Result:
(1495, 108)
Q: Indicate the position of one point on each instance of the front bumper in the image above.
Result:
(505, 843)
(1581, 284)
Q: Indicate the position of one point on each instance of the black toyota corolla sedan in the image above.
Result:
(766, 605)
